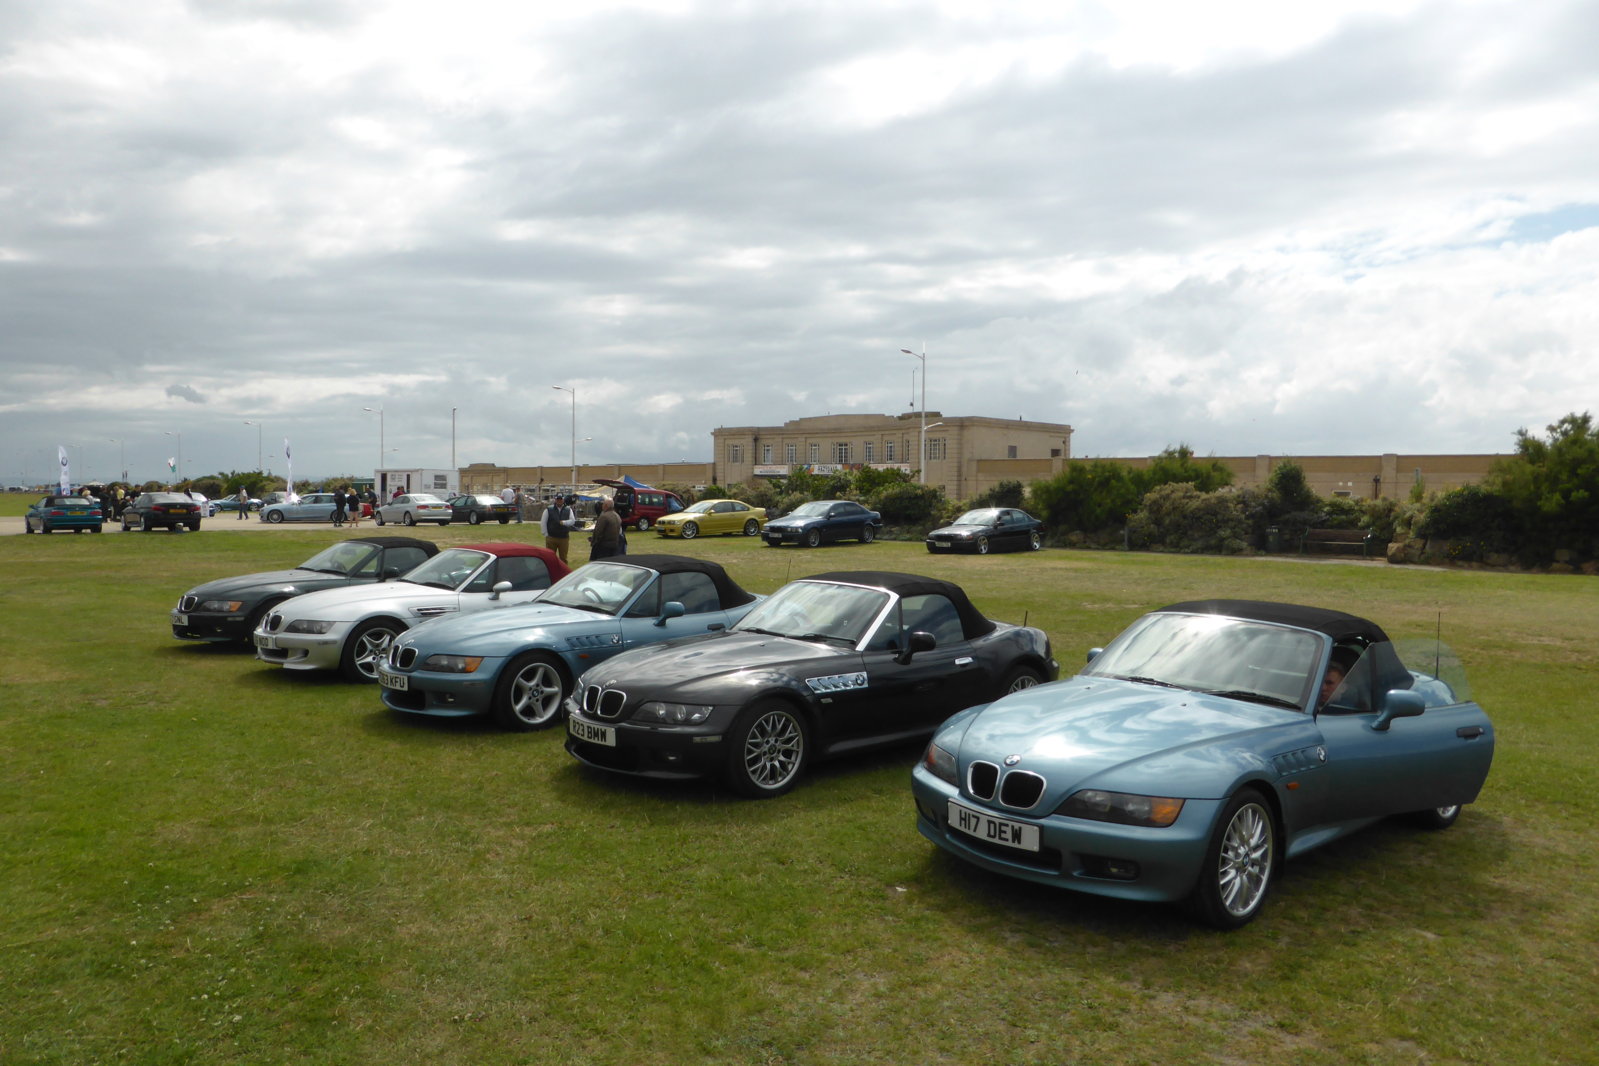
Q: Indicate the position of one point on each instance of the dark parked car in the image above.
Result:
(161, 510)
(821, 521)
(76, 513)
(226, 610)
(477, 509)
(1206, 744)
(989, 529)
(828, 665)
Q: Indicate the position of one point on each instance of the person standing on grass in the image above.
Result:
(606, 539)
(244, 503)
(557, 526)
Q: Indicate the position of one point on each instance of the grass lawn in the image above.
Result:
(210, 861)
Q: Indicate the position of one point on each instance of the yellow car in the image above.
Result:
(713, 516)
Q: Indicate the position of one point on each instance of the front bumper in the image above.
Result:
(781, 536)
(659, 751)
(1076, 853)
(210, 627)
(441, 695)
(950, 544)
(301, 651)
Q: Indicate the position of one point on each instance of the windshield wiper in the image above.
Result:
(1146, 680)
(816, 638)
(762, 632)
(1252, 696)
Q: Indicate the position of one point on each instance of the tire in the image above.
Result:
(868, 534)
(1239, 863)
(1436, 818)
(145, 525)
(274, 517)
(505, 521)
(531, 692)
(407, 519)
(95, 529)
(27, 527)
(1019, 678)
(767, 750)
(751, 528)
(1035, 541)
(691, 530)
(194, 527)
(473, 518)
(377, 516)
(812, 538)
(643, 525)
(44, 527)
(982, 545)
(365, 646)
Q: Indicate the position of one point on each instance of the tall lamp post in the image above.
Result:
(123, 453)
(922, 456)
(382, 451)
(453, 467)
(257, 425)
(563, 388)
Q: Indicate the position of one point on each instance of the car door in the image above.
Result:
(1013, 529)
(641, 621)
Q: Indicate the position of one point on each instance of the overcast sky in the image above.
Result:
(1247, 226)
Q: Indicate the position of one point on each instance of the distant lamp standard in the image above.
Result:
(382, 451)
(123, 453)
(922, 464)
(563, 388)
(453, 467)
(257, 426)
(178, 470)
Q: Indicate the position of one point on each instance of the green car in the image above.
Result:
(63, 512)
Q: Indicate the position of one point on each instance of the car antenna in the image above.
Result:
(1437, 643)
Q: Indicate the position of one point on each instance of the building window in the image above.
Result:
(935, 449)
(1054, 453)
(841, 451)
(816, 452)
(888, 451)
(766, 453)
(791, 454)
(1010, 451)
(870, 455)
(735, 453)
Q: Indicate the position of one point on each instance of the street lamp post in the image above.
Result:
(922, 457)
(122, 451)
(257, 425)
(563, 388)
(381, 449)
(453, 467)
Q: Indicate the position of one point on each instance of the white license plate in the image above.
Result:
(263, 642)
(939, 546)
(398, 682)
(594, 734)
(1018, 835)
(180, 619)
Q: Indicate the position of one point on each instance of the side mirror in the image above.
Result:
(671, 609)
(1093, 653)
(389, 573)
(500, 589)
(1398, 703)
(919, 640)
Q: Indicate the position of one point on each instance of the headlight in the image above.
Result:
(225, 606)
(939, 763)
(452, 664)
(307, 625)
(1122, 807)
(673, 713)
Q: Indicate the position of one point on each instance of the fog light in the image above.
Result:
(1110, 869)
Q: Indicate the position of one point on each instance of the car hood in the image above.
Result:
(717, 668)
(495, 632)
(356, 601)
(291, 581)
(1095, 732)
(794, 521)
(958, 529)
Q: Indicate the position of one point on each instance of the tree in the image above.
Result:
(1088, 497)
(1552, 487)
(1177, 466)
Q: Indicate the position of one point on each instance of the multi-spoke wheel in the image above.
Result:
(868, 534)
(1035, 540)
(1436, 817)
(766, 750)
(643, 525)
(1019, 678)
(690, 530)
(530, 692)
(366, 647)
(751, 528)
(813, 538)
(1239, 863)
(982, 545)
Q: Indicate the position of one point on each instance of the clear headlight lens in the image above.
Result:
(1122, 807)
(225, 606)
(939, 763)
(673, 713)
(308, 625)
(452, 664)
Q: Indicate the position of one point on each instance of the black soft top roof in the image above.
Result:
(1336, 624)
(727, 590)
(427, 546)
(973, 624)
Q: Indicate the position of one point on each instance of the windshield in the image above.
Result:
(700, 508)
(985, 517)
(817, 610)
(343, 558)
(1216, 654)
(814, 509)
(603, 588)
(449, 569)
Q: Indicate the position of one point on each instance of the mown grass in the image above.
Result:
(211, 862)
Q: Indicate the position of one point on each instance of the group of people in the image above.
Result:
(560, 519)
(347, 507)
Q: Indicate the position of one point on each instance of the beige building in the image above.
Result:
(956, 447)
(1386, 476)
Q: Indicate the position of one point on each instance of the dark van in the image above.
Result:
(641, 508)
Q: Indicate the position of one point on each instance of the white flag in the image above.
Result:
(288, 461)
(66, 470)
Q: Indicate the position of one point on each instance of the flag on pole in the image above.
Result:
(172, 463)
(66, 470)
(288, 461)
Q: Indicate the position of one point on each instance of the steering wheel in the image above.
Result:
(592, 595)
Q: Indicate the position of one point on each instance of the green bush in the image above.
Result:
(1178, 517)
(1087, 497)
(1004, 494)
(909, 505)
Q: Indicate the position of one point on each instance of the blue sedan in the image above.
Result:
(822, 521)
(520, 664)
(1209, 742)
(312, 507)
(76, 513)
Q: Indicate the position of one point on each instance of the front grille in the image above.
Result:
(187, 603)
(1021, 789)
(402, 658)
(981, 779)
(273, 623)
(603, 702)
